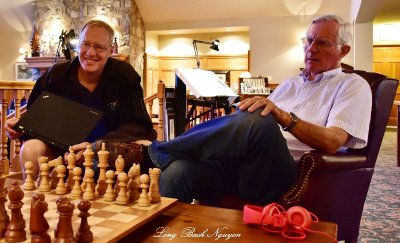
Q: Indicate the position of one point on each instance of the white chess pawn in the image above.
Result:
(144, 200)
(89, 193)
(122, 197)
(76, 189)
(44, 185)
(61, 188)
(29, 182)
(109, 195)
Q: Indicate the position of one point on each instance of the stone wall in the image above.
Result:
(53, 16)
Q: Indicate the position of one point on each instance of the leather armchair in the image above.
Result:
(335, 186)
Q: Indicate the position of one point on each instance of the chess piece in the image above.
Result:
(101, 185)
(61, 189)
(29, 183)
(56, 162)
(88, 154)
(84, 234)
(76, 189)
(144, 200)
(119, 168)
(16, 228)
(109, 195)
(71, 159)
(89, 193)
(4, 219)
(41, 160)
(53, 174)
(64, 231)
(134, 183)
(38, 224)
(154, 191)
(44, 185)
(122, 198)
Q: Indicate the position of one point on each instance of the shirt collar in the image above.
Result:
(322, 76)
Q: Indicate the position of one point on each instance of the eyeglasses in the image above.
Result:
(320, 43)
(85, 46)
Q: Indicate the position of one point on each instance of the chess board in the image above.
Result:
(108, 221)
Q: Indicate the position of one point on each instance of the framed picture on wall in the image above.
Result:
(24, 73)
(224, 75)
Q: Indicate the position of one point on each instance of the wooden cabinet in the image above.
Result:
(387, 62)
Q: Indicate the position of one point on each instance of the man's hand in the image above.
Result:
(255, 103)
(10, 132)
(78, 150)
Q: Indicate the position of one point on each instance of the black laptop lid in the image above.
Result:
(58, 121)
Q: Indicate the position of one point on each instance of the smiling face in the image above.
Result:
(95, 49)
(322, 51)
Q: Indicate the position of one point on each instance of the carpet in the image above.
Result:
(381, 216)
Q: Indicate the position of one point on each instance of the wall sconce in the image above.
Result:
(23, 52)
(214, 45)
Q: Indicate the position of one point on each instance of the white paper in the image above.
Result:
(204, 83)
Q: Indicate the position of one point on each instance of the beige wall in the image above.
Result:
(10, 44)
(274, 43)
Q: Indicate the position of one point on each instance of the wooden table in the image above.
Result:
(198, 223)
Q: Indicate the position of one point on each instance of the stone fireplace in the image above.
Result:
(54, 16)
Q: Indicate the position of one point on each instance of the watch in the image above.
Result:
(293, 121)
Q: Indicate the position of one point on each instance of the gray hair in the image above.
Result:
(101, 24)
(345, 33)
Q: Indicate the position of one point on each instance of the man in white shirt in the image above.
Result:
(253, 152)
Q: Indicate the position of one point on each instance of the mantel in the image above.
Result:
(43, 63)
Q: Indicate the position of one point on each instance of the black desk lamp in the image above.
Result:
(64, 43)
(214, 46)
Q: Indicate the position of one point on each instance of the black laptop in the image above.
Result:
(58, 121)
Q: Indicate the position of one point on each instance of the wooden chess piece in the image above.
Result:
(38, 224)
(53, 174)
(134, 183)
(154, 191)
(61, 189)
(41, 160)
(29, 183)
(144, 200)
(122, 198)
(76, 191)
(44, 185)
(84, 234)
(89, 193)
(64, 231)
(16, 228)
(71, 159)
(109, 195)
(4, 219)
(88, 154)
(119, 168)
(101, 185)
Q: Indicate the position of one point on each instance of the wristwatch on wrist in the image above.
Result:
(293, 121)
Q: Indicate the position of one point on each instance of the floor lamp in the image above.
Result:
(214, 45)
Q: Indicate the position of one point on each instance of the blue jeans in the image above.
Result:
(241, 153)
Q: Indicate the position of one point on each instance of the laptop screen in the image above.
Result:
(58, 121)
